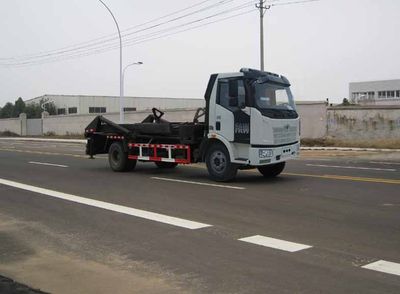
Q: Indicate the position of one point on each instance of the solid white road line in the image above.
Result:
(383, 266)
(275, 243)
(385, 162)
(198, 183)
(179, 222)
(46, 163)
(352, 167)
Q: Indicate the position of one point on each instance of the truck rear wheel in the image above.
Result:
(164, 164)
(118, 158)
(219, 165)
(272, 170)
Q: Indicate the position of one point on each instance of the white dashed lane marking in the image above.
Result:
(178, 222)
(384, 266)
(198, 183)
(48, 164)
(275, 243)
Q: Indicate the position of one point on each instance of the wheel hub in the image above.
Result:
(218, 161)
(115, 156)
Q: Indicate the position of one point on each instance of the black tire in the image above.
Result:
(272, 170)
(219, 164)
(118, 159)
(164, 164)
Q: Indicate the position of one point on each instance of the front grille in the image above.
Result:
(284, 135)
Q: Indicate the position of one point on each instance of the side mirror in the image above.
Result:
(233, 88)
(233, 101)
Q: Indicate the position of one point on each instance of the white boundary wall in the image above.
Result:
(11, 125)
(365, 123)
(76, 124)
(312, 119)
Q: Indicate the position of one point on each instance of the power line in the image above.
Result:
(113, 34)
(104, 40)
(294, 2)
(135, 40)
(130, 39)
(142, 41)
(104, 47)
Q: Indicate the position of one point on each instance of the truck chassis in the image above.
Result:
(164, 143)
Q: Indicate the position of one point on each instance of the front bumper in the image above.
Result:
(263, 155)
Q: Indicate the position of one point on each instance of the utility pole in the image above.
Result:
(123, 75)
(263, 8)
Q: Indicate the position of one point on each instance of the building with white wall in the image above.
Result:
(375, 92)
(85, 104)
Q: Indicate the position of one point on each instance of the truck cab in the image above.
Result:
(253, 115)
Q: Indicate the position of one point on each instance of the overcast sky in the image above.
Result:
(320, 46)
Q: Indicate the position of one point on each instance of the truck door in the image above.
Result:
(232, 121)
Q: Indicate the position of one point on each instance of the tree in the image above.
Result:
(346, 102)
(19, 107)
(33, 110)
(7, 111)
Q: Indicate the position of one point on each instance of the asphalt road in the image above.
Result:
(68, 224)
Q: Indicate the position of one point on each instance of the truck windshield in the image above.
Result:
(274, 100)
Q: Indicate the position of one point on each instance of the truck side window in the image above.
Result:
(223, 97)
(242, 93)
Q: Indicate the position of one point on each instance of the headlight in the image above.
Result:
(264, 153)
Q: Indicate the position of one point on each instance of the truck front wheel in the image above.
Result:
(272, 170)
(118, 158)
(219, 165)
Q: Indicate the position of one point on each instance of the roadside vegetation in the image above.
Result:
(346, 102)
(8, 134)
(32, 110)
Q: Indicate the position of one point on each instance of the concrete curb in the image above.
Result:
(350, 149)
(78, 141)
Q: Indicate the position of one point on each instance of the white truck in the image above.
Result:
(250, 121)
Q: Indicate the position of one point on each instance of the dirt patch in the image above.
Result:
(56, 263)
(12, 249)
(58, 273)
